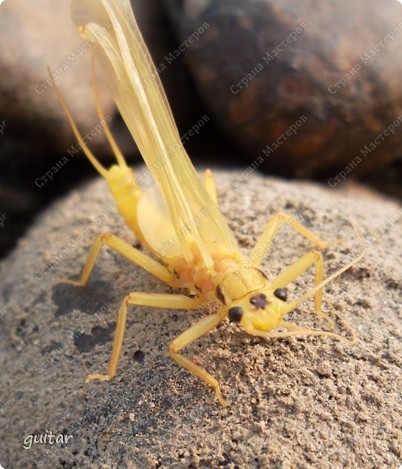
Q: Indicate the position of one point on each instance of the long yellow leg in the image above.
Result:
(199, 329)
(210, 185)
(156, 300)
(289, 274)
(123, 248)
(260, 249)
(295, 303)
(290, 306)
(301, 265)
(115, 148)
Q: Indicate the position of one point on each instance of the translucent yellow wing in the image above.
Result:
(138, 93)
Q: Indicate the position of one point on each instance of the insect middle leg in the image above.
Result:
(260, 249)
(156, 300)
(123, 248)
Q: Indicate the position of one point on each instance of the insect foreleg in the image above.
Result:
(123, 248)
(260, 249)
(296, 269)
(156, 300)
(289, 274)
(199, 329)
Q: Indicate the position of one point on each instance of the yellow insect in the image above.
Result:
(178, 219)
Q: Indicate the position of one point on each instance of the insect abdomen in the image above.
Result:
(126, 194)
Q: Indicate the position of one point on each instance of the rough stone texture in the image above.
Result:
(261, 65)
(300, 402)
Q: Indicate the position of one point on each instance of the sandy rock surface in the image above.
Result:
(296, 402)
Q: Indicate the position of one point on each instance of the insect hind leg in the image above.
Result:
(112, 142)
(131, 253)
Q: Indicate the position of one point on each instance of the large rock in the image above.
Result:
(306, 87)
(305, 402)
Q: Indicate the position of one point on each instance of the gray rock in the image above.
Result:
(305, 402)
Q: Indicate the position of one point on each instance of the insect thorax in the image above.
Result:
(240, 282)
(203, 281)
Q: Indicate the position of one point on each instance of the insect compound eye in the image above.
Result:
(235, 313)
(281, 294)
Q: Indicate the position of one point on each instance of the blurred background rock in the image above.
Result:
(331, 68)
(295, 89)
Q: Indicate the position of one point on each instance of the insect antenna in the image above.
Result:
(112, 142)
(92, 158)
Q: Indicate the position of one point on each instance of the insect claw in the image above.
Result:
(76, 283)
(221, 400)
(98, 377)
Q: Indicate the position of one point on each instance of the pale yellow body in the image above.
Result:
(191, 243)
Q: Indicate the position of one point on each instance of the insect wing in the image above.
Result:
(137, 90)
